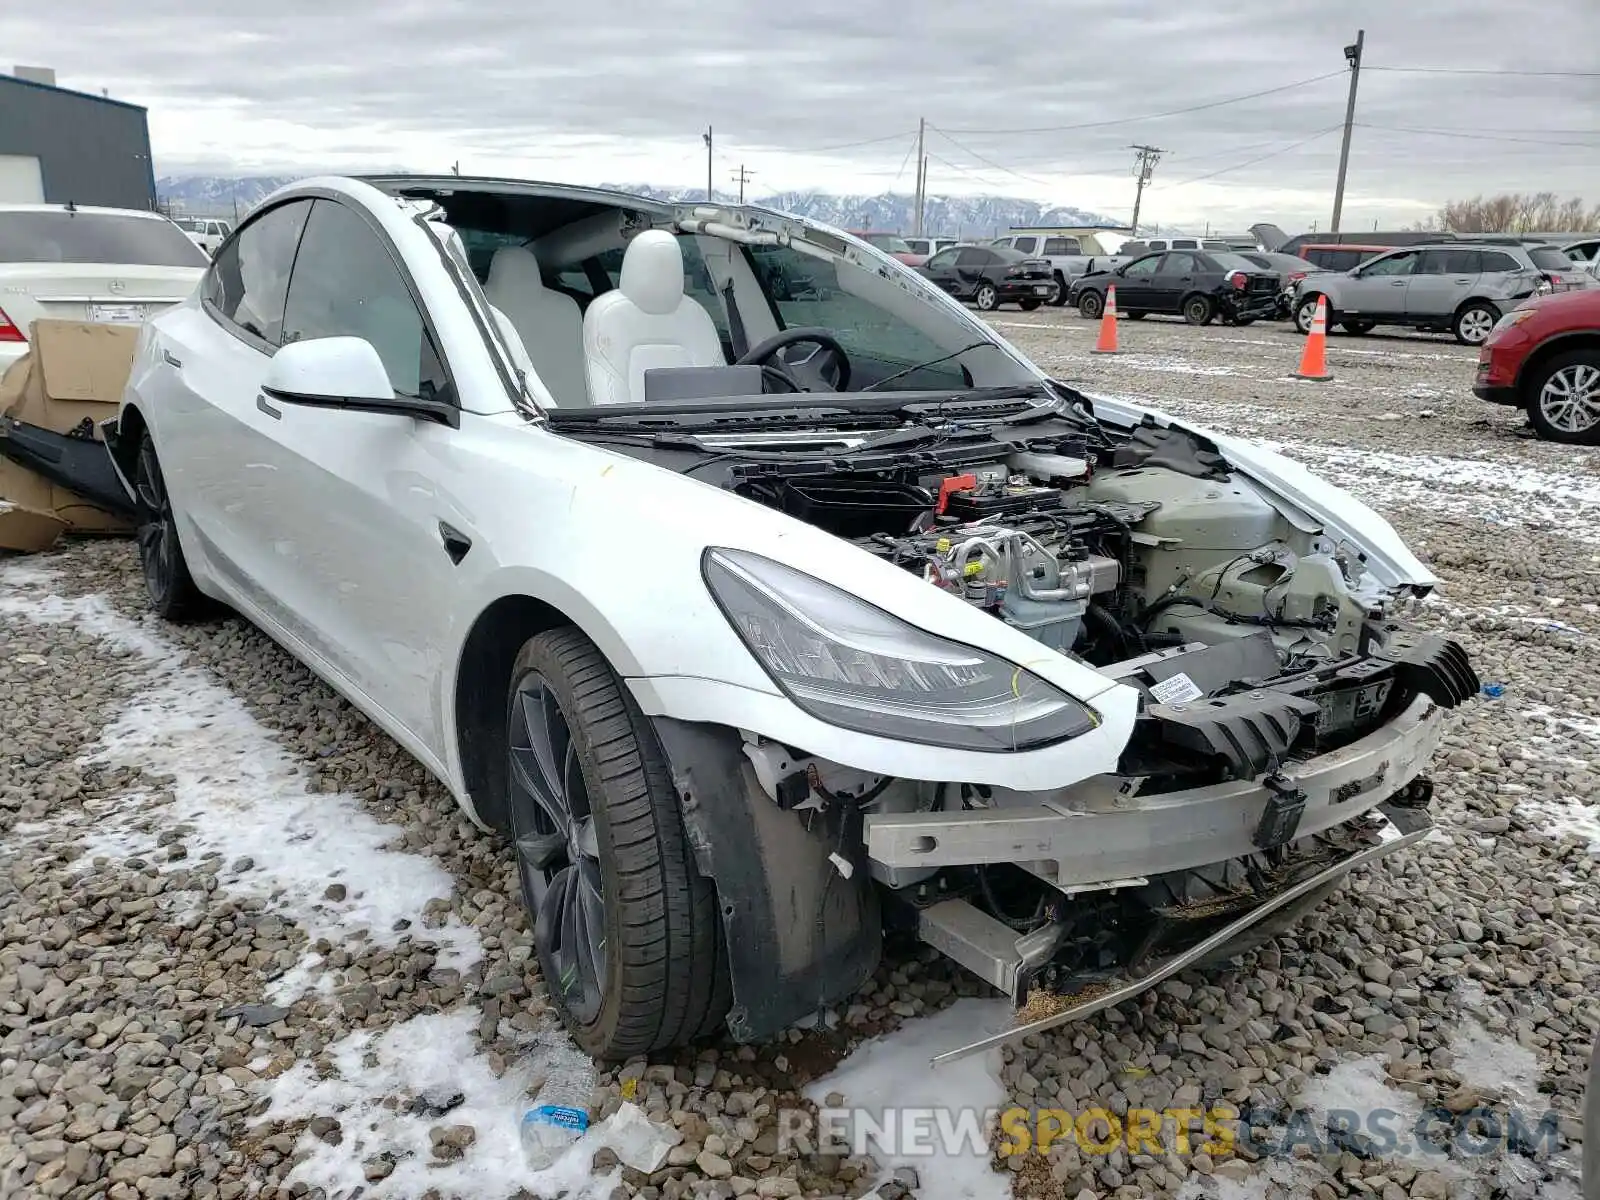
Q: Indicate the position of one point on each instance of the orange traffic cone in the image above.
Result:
(1314, 358)
(1106, 343)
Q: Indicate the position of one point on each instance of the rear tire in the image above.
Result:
(1029, 305)
(1060, 297)
(1136, 315)
(172, 590)
(1564, 398)
(1199, 310)
(1091, 305)
(1473, 323)
(655, 973)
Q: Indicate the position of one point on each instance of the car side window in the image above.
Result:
(1395, 264)
(1145, 266)
(1026, 244)
(1179, 264)
(945, 258)
(1062, 245)
(249, 278)
(1496, 260)
(975, 256)
(1434, 262)
(346, 284)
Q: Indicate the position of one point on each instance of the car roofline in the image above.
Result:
(399, 184)
(86, 210)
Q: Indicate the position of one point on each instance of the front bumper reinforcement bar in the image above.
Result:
(1400, 827)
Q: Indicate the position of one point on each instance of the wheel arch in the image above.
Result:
(482, 675)
(1561, 343)
(130, 429)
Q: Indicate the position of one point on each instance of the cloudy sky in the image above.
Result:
(1029, 98)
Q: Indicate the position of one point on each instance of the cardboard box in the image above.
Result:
(74, 371)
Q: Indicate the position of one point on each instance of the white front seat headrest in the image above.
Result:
(652, 272)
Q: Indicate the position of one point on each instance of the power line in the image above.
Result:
(892, 137)
(1475, 136)
(1487, 71)
(1250, 162)
(988, 161)
(1174, 112)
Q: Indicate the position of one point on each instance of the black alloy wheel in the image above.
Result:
(172, 590)
(558, 852)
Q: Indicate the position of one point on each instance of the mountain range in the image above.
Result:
(955, 216)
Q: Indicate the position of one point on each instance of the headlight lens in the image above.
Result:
(851, 664)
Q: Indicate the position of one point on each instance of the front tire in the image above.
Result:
(1564, 398)
(986, 298)
(1358, 328)
(172, 590)
(626, 930)
(1473, 323)
(1199, 310)
(1091, 305)
(1307, 313)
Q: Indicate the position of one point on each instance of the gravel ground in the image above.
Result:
(248, 948)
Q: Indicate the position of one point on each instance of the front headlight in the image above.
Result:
(1515, 317)
(851, 664)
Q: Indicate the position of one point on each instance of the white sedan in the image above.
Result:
(107, 265)
(765, 598)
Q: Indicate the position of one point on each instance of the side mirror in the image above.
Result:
(344, 372)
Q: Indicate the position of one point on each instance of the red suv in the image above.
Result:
(1544, 356)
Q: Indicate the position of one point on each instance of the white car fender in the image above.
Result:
(651, 613)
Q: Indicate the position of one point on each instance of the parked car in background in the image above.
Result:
(929, 246)
(1560, 271)
(206, 232)
(1155, 244)
(1343, 256)
(890, 243)
(1067, 255)
(1200, 285)
(1384, 239)
(1290, 269)
(1586, 250)
(1456, 287)
(989, 276)
(110, 265)
(1544, 356)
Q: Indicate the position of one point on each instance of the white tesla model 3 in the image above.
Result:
(766, 599)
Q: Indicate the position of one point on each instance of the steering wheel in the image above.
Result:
(806, 374)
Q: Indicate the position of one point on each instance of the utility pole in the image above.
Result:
(1144, 166)
(922, 177)
(710, 198)
(741, 177)
(1352, 55)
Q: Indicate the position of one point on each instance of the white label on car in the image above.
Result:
(1180, 689)
(116, 314)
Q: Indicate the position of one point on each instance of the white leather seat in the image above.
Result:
(645, 322)
(550, 324)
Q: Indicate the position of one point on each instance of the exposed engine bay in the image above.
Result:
(1260, 648)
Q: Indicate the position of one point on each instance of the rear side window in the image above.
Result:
(83, 237)
(250, 277)
(1496, 260)
(1548, 258)
(1061, 245)
(345, 284)
(1026, 244)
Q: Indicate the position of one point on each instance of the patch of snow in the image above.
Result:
(243, 796)
(1461, 487)
(891, 1074)
(1494, 1064)
(429, 1054)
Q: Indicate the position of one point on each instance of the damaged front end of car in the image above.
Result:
(1285, 718)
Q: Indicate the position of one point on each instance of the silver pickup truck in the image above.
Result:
(1070, 255)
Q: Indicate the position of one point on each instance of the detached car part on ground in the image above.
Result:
(1200, 285)
(1458, 287)
(872, 628)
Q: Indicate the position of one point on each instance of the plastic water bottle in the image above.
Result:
(562, 1113)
